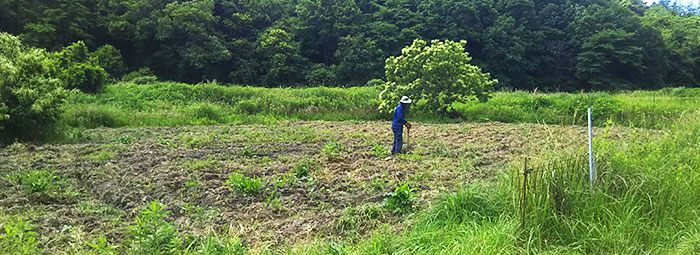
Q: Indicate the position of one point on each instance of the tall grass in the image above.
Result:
(645, 201)
(647, 109)
(172, 104)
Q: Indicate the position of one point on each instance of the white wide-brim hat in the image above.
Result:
(405, 100)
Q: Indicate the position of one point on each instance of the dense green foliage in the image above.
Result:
(30, 96)
(79, 70)
(434, 76)
(525, 44)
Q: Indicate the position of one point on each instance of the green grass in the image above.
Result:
(644, 202)
(647, 109)
(173, 104)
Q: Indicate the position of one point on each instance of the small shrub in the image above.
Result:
(244, 183)
(19, 238)
(78, 70)
(152, 234)
(30, 95)
(110, 59)
(401, 200)
(143, 75)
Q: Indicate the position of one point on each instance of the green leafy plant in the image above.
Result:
(19, 238)
(273, 200)
(110, 59)
(102, 247)
(215, 245)
(247, 152)
(333, 149)
(379, 151)
(244, 183)
(401, 200)
(78, 70)
(38, 181)
(434, 76)
(30, 95)
(305, 167)
(152, 234)
(125, 139)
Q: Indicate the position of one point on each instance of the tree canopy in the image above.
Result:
(525, 44)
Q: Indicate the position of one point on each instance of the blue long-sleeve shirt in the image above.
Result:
(399, 117)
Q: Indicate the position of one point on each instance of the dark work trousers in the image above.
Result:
(398, 140)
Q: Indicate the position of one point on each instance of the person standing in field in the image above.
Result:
(399, 121)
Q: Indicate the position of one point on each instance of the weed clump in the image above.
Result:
(152, 234)
(19, 238)
(401, 200)
(333, 149)
(103, 247)
(39, 181)
(244, 183)
(379, 151)
(305, 167)
(214, 245)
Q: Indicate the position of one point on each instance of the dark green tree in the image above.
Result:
(359, 60)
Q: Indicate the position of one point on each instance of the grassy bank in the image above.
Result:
(647, 109)
(172, 104)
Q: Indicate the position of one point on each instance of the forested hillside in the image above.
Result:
(525, 44)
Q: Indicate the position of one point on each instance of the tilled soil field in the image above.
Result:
(317, 177)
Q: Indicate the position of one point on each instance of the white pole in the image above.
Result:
(590, 148)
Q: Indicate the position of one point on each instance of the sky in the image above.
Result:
(684, 2)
